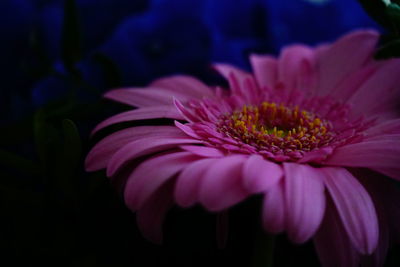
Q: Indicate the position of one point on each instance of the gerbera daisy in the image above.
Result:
(301, 130)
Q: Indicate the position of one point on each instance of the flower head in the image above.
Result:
(296, 131)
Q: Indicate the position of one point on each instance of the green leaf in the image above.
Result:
(72, 146)
(71, 36)
(393, 12)
(67, 162)
(19, 163)
(389, 50)
(46, 140)
(377, 10)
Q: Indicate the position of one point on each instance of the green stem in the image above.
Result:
(264, 250)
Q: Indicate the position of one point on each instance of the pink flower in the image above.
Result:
(310, 130)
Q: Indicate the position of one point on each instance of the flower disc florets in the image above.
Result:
(277, 128)
(305, 130)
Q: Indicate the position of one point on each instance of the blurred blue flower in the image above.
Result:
(237, 30)
(236, 20)
(180, 36)
(159, 43)
(313, 21)
(85, 87)
(143, 47)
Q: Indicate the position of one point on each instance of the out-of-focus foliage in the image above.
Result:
(386, 13)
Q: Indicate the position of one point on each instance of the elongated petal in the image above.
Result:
(290, 62)
(274, 209)
(332, 244)
(383, 138)
(151, 216)
(141, 148)
(265, 70)
(186, 129)
(204, 151)
(221, 185)
(305, 200)
(183, 84)
(386, 193)
(144, 97)
(188, 182)
(185, 113)
(344, 57)
(370, 100)
(386, 127)
(352, 83)
(355, 208)
(102, 152)
(158, 112)
(374, 154)
(237, 80)
(151, 174)
(385, 196)
(259, 174)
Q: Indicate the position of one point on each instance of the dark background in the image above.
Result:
(58, 57)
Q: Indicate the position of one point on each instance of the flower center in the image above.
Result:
(277, 128)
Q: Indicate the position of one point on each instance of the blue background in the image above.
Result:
(142, 40)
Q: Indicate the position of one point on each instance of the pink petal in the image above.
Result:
(291, 60)
(185, 113)
(344, 57)
(101, 153)
(316, 155)
(204, 151)
(332, 244)
(150, 175)
(386, 127)
(221, 185)
(378, 258)
(147, 97)
(144, 147)
(355, 208)
(386, 194)
(370, 154)
(379, 193)
(274, 210)
(236, 78)
(259, 174)
(380, 92)
(383, 138)
(186, 85)
(187, 129)
(151, 216)
(305, 200)
(159, 112)
(265, 70)
(188, 182)
(352, 83)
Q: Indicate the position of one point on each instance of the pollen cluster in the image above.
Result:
(277, 128)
